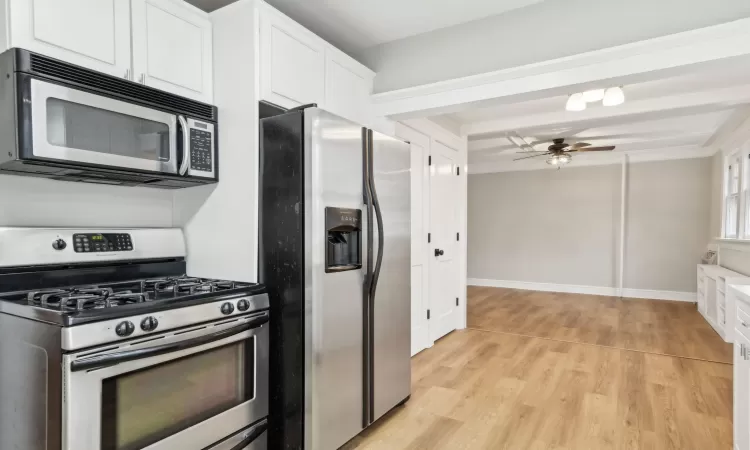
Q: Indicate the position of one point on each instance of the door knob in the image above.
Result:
(439, 252)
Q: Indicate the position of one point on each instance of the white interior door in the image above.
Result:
(420, 188)
(443, 249)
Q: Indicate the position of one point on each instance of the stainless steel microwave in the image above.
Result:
(66, 122)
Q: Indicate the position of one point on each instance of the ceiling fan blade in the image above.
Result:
(597, 149)
(581, 144)
(533, 156)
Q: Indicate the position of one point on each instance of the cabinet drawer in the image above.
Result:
(743, 320)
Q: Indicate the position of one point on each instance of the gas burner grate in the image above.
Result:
(185, 285)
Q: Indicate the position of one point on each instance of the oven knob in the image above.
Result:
(149, 323)
(59, 244)
(125, 328)
(227, 308)
(243, 305)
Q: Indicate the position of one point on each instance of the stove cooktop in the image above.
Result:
(73, 305)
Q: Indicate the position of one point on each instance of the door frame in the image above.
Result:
(428, 133)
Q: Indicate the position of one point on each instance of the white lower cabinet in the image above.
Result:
(741, 392)
(172, 48)
(91, 33)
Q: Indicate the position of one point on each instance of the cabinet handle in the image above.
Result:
(742, 350)
(127, 74)
(142, 78)
(743, 324)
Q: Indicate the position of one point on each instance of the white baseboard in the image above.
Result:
(590, 290)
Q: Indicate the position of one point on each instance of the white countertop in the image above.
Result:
(743, 291)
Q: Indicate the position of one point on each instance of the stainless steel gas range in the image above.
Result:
(105, 344)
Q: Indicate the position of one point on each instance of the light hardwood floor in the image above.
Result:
(480, 389)
(669, 328)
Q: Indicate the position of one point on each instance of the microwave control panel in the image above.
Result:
(102, 242)
(201, 150)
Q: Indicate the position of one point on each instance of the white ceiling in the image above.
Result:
(685, 113)
(354, 25)
(689, 83)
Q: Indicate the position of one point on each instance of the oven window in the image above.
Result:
(73, 125)
(144, 407)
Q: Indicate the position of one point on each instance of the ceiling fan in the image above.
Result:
(560, 151)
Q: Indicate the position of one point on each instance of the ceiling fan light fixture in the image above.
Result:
(559, 160)
(576, 102)
(614, 96)
(594, 95)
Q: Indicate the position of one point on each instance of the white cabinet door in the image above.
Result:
(348, 87)
(292, 62)
(172, 48)
(741, 392)
(90, 33)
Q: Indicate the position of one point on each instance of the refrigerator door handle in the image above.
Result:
(366, 310)
(379, 218)
(375, 274)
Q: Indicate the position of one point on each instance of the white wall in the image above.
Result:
(548, 30)
(38, 202)
(546, 226)
(563, 227)
(668, 221)
(221, 221)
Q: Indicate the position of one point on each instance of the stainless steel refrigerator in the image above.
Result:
(335, 255)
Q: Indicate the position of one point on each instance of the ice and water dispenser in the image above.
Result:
(343, 239)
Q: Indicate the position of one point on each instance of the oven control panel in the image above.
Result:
(201, 150)
(102, 242)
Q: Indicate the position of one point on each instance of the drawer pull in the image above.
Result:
(743, 324)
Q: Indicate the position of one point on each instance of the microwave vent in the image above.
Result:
(120, 87)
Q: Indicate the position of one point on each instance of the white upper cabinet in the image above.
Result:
(165, 44)
(292, 62)
(89, 33)
(172, 48)
(297, 68)
(348, 87)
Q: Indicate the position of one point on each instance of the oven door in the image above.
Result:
(186, 389)
(69, 125)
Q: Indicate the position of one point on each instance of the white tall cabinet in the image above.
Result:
(165, 44)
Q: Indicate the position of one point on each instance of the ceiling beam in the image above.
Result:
(625, 64)
(600, 159)
(657, 108)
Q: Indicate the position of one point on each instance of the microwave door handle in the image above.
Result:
(185, 145)
(100, 362)
(252, 434)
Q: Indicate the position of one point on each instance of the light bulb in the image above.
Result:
(559, 160)
(595, 95)
(576, 102)
(614, 96)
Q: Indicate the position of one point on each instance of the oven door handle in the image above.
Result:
(100, 362)
(254, 433)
